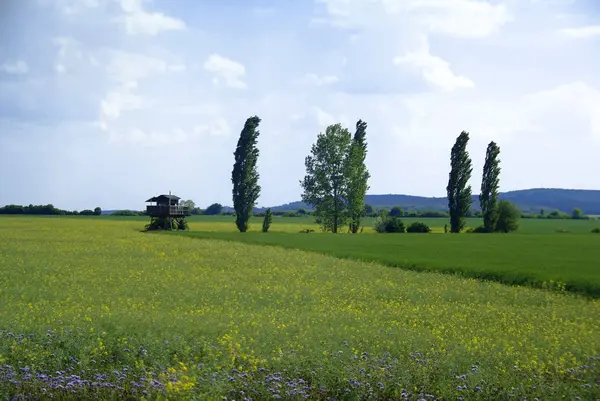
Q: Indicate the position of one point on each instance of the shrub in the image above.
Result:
(388, 224)
(508, 217)
(418, 227)
(480, 230)
(596, 230)
(379, 224)
(394, 225)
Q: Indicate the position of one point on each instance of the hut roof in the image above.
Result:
(159, 197)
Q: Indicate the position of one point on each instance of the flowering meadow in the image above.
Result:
(94, 308)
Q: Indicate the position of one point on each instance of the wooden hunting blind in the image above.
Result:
(166, 212)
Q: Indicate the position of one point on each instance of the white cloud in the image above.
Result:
(582, 32)
(314, 79)
(434, 69)
(466, 18)
(228, 70)
(219, 127)
(571, 109)
(121, 99)
(18, 67)
(417, 71)
(126, 67)
(138, 21)
(70, 54)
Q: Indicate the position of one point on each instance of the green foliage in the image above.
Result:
(577, 214)
(368, 209)
(215, 208)
(325, 184)
(125, 213)
(481, 230)
(388, 224)
(397, 211)
(488, 198)
(189, 204)
(596, 230)
(418, 227)
(459, 192)
(166, 223)
(357, 175)
(557, 214)
(244, 175)
(508, 217)
(182, 225)
(98, 211)
(268, 219)
(48, 210)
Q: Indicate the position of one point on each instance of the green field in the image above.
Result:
(94, 308)
(294, 224)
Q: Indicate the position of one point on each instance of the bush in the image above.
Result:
(418, 227)
(508, 217)
(596, 230)
(125, 213)
(394, 225)
(388, 224)
(480, 230)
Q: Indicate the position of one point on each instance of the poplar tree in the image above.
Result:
(245, 175)
(459, 192)
(357, 175)
(488, 198)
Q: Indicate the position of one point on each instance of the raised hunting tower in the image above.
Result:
(166, 213)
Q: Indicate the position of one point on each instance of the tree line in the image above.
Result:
(48, 210)
(336, 182)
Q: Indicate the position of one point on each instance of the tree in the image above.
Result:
(368, 209)
(577, 214)
(358, 176)
(267, 220)
(215, 208)
(325, 184)
(488, 198)
(508, 217)
(459, 192)
(397, 211)
(189, 204)
(244, 175)
(98, 211)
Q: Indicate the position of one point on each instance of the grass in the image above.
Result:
(294, 224)
(560, 262)
(92, 308)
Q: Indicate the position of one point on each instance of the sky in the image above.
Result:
(110, 102)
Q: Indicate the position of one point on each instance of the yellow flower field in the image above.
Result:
(95, 308)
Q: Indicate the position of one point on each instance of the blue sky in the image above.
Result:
(108, 102)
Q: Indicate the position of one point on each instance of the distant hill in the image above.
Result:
(528, 200)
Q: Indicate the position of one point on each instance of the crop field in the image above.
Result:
(94, 308)
(294, 224)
